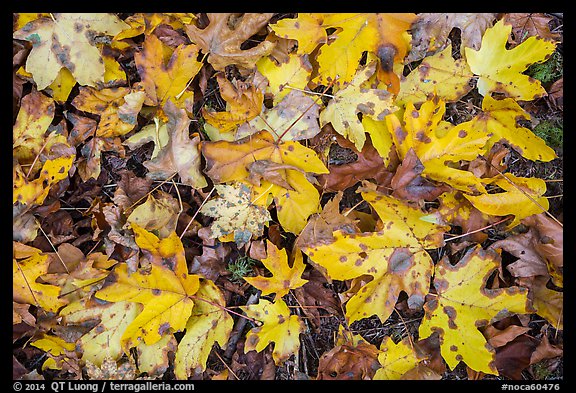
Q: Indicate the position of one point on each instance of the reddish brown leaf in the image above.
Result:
(526, 25)
(348, 362)
(409, 185)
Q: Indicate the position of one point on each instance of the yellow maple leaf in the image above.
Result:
(395, 359)
(28, 264)
(158, 213)
(284, 277)
(104, 340)
(463, 303)
(499, 120)
(500, 70)
(294, 73)
(164, 288)
(154, 359)
(28, 192)
(342, 111)
(118, 108)
(307, 29)
(522, 197)
(395, 257)
(278, 327)
(164, 78)
(209, 324)
(244, 102)
(230, 161)
(438, 75)
(28, 133)
(59, 351)
(64, 40)
(438, 143)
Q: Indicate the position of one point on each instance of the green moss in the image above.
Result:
(548, 71)
(552, 131)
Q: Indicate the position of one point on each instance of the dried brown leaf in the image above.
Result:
(223, 37)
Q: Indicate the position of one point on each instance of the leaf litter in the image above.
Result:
(286, 196)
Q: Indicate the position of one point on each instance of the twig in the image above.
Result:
(477, 230)
(197, 211)
(226, 365)
(238, 328)
(54, 248)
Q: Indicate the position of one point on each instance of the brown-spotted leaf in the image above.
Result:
(68, 40)
(463, 303)
(166, 79)
(284, 277)
(430, 31)
(244, 102)
(222, 39)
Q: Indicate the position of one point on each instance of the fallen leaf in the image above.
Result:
(284, 277)
(548, 242)
(277, 326)
(499, 120)
(500, 70)
(221, 40)
(118, 108)
(103, 342)
(438, 75)
(181, 154)
(307, 29)
(229, 161)
(157, 214)
(285, 77)
(243, 103)
(166, 79)
(28, 265)
(463, 304)
(154, 359)
(430, 32)
(209, 324)
(521, 197)
(528, 24)
(235, 214)
(395, 359)
(164, 290)
(342, 111)
(349, 362)
(68, 40)
(292, 119)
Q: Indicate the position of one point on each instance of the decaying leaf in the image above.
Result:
(463, 303)
(295, 73)
(221, 40)
(394, 257)
(243, 103)
(525, 24)
(180, 154)
(229, 161)
(349, 361)
(68, 40)
(342, 111)
(235, 213)
(430, 31)
(292, 119)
